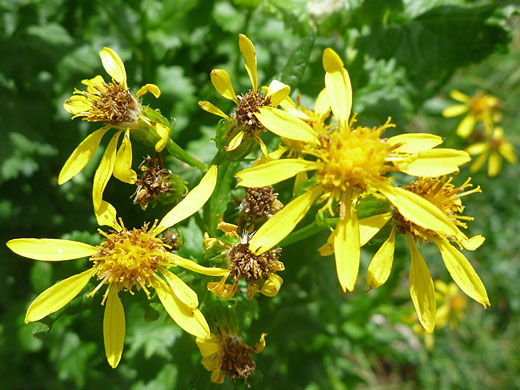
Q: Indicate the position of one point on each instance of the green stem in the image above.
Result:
(308, 231)
(184, 156)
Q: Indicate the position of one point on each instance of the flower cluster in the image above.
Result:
(488, 142)
(337, 164)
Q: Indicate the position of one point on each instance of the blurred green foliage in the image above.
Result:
(403, 56)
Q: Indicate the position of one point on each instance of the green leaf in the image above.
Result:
(437, 42)
(293, 71)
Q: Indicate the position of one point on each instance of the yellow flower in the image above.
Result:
(259, 271)
(482, 107)
(452, 304)
(113, 104)
(245, 117)
(225, 354)
(350, 163)
(446, 198)
(495, 147)
(126, 259)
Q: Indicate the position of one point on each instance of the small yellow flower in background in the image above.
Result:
(245, 117)
(447, 199)
(494, 147)
(350, 163)
(126, 259)
(113, 104)
(225, 354)
(481, 107)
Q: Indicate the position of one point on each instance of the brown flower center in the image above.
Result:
(114, 105)
(248, 104)
(236, 359)
(253, 268)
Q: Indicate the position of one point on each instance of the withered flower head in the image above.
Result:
(260, 202)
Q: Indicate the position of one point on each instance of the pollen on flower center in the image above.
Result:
(246, 265)
(352, 161)
(113, 104)
(130, 258)
(248, 104)
(442, 194)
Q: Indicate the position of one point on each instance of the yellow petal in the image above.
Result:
(466, 126)
(104, 171)
(278, 91)
(49, 249)
(473, 243)
(368, 227)
(421, 288)
(462, 272)
(283, 222)
(248, 52)
(113, 65)
(435, 162)
(163, 132)
(192, 322)
(327, 249)
(456, 110)
(381, 264)
(217, 376)
(77, 105)
(222, 83)
(192, 203)
(182, 291)
(114, 327)
(195, 267)
(322, 105)
(477, 148)
(260, 346)
(57, 296)
(461, 97)
(347, 250)
(81, 156)
(95, 85)
(223, 289)
(152, 88)
(507, 150)
(106, 215)
(123, 165)
(337, 83)
(235, 141)
(418, 210)
(208, 346)
(414, 142)
(212, 109)
(273, 172)
(479, 162)
(272, 285)
(494, 164)
(286, 125)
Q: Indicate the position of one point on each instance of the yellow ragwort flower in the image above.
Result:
(225, 354)
(259, 271)
(113, 104)
(256, 102)
(126, 259)
(444, 196)
(482, 107)
(494, 147)
(350, 163)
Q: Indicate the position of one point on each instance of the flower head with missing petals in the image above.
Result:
(244, 121)
(225, 354)
(113, 104)
(350, 163)
(127, 259)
